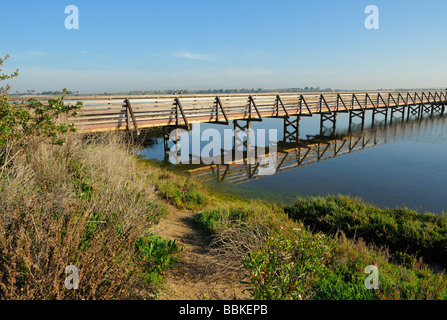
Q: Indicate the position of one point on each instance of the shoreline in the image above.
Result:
(229, 212)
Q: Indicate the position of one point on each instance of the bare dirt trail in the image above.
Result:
(197, 275)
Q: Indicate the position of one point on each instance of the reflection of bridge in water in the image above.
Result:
(293, 152)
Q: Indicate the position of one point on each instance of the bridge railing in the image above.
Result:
(120, 113)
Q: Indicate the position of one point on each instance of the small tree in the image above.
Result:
(23, 121)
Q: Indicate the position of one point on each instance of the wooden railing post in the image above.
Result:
(219, 105)
(252, 103)
(179, 110)
(130, 114)
(278, 102)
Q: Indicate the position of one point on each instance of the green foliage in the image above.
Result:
(4, 90)
(402, 230)
(181, 191)
(156, 254)
(293, 263)
(339, 286)
(21, 121)
(211, 220)
(82, 188)
(396, 282)
(287, 268)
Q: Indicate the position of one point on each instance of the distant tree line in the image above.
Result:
(222, 91)
(45, 93)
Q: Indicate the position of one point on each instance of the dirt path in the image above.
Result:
(196, 275)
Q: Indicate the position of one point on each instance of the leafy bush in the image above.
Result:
(403, 230)
(22, 122)
(287, 268)
(181, 191)
(212, 220)
(286, 261)
(156, 255)
(346, 276)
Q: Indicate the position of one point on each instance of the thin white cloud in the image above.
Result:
(85, 52)
(193, 56)
(35, 53)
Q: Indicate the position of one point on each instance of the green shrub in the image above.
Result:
(287, 268)
(339, 286)
(22, 122)
(181, 191)
(396, 282)
(156, 255)
(286, 261)
(402, 230)
(213, 220)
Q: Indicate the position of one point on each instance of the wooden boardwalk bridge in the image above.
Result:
(135, 113)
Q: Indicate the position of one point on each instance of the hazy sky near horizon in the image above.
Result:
(149, 45)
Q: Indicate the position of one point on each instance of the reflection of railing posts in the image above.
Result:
(166, 143)
(166, 138)
(321, 154)
(239, 142)
(227, 167)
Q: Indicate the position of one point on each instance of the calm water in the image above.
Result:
(402, 163)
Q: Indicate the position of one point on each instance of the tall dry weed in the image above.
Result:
(81, 204)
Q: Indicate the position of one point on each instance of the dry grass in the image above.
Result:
(81, 204)
(233, 244)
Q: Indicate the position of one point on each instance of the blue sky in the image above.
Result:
(150, 45)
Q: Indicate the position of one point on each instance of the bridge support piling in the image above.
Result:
(292, 129)
(400, 110)
(427, 109)
(360, 114)
(331, 117)
(438, 108)
(414, 110)
(376, 111)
